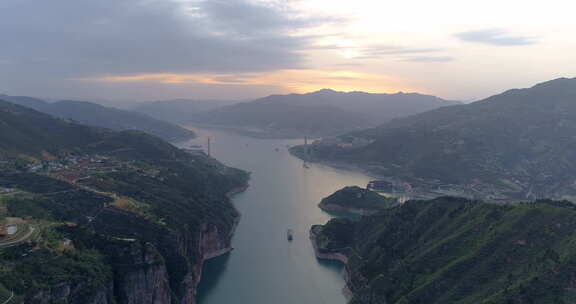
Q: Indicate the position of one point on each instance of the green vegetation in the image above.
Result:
(25, 132)
(452, 250)
(93, 114)
(24, 207)
(93, 231)
(356, 198)
(44, 268)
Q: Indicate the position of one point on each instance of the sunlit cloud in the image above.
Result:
(429, 59)
(298, 81)
(350, 49)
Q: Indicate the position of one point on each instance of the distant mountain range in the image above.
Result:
(179, 110)
(321, 113)
(24, 131)
(518, 144)
(106, 117)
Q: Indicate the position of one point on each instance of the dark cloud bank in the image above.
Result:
(44, 43)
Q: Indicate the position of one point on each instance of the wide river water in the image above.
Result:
(264, 267)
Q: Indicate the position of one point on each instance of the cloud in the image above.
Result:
(429, 59)
(379, 51)
(396, 50)
(497, 37)
(50, 42)
(249, 18)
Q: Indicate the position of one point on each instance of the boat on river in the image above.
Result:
(290, 235)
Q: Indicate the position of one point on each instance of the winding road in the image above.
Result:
(20, 240)
(10, 298)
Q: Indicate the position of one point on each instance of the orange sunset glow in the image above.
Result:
(295, 81)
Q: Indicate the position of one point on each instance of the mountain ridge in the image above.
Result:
(94, 114)
(517, 141)
(179, 110)
(321, 113)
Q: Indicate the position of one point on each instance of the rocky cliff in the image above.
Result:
(160, 265)
(140, 273)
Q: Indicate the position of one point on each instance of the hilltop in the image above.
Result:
(321, 113)
(356, 200)
(513, 145)
(93, 114)
(179, 110)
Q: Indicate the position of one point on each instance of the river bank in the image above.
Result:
(420, 188)
(249, 131)
(337, 256)
(342, 209)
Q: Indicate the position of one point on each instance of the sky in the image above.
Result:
(134, 50)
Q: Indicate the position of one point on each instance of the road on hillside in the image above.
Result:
(20, 240)
(10, 298)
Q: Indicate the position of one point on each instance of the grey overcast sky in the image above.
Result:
(239, 49)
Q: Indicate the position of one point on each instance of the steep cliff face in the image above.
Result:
(142, 277)
(213, 242)
(119, 255)
(156, 265)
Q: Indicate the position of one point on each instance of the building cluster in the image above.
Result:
(73, 168)
(8, 230)
(73, 162)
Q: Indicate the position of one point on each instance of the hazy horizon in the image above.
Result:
(130, 102)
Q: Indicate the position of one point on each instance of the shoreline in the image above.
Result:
(242, 131)
(211, 254)
(420, 191)
(351, 210)
(337, 165)
(334, 256)
(256, 133)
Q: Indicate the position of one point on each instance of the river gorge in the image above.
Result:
(264, 266)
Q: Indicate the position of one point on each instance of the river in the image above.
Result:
(264, 267)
